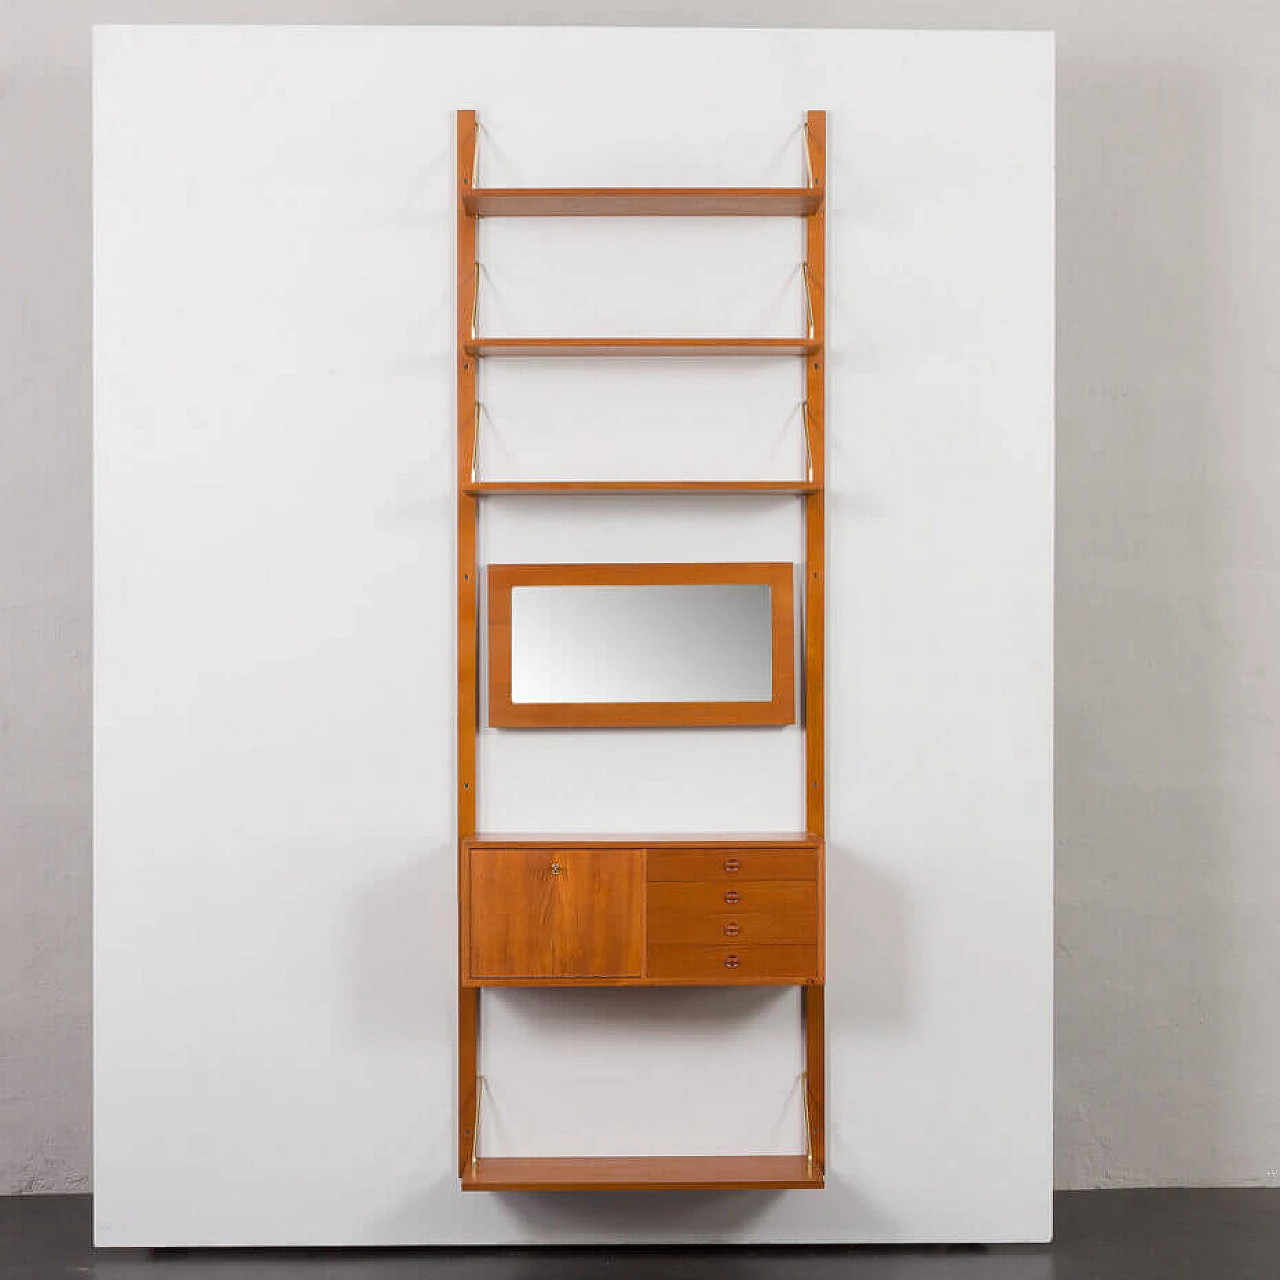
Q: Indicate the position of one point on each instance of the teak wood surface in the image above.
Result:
(729, 963)
(548, 914)
(727, 840)
(731, 866)
(812, 998)
(692, 928)
(641, 1173)
(686, 926)
(642, 202)
(468, 634)
(506, 714)
(618, 348)
(482, 487)
(687, 911)
(577, 913)
(757, 911)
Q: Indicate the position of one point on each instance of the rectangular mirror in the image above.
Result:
(640, 645)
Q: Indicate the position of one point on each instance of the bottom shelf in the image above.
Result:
(642, 1173)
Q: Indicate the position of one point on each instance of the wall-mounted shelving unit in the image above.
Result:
(732, 910)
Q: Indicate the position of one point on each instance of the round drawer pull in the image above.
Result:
(732, 896)
(555, 868)
(732, 864)
(731, 930)
(731, 962)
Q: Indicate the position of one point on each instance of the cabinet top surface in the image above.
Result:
(783, 840)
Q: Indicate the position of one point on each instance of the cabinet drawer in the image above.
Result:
(725, 965)
(738, 897)
(677, 865)
(736, 929)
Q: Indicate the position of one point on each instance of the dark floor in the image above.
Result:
(1101, 1235)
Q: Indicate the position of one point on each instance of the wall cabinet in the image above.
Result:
(727, 913)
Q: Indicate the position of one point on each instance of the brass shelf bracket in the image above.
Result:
(810, 475)
(810, 324)
(475, 300)
(808, 1122)
(475, 446)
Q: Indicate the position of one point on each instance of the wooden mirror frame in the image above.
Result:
(505, 714)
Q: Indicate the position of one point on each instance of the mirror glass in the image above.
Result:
(691, 642)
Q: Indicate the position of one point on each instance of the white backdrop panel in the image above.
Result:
(275, 921)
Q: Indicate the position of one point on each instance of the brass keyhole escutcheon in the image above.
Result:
(555, 868)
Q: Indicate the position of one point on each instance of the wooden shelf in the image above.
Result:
(642, 1173)
(579, 348)
(480, 487)
(613, 202)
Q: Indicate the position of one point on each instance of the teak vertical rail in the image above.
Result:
(811, 998)
(468, 624)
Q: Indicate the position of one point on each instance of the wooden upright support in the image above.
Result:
(468, 626)
(814, 612)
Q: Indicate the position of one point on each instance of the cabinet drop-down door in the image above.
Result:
(556, 913)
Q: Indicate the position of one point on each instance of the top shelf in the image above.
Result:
(619, 202)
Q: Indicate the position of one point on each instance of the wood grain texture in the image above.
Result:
(729, 964)
(573, 913)
(750, 897)
(731, 867)
(594, 924)
(468, 635)
(687, 925)
(813, 998)
(815, 524)
(607, 202)
(481, 487)
(618, 348)
(642, 1173)
(771, 911)
(506, 714)
(655, 841)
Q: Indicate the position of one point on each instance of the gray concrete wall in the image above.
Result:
(1168, 747)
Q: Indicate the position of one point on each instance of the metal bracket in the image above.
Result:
(808, 442)
(810, 326)
(808, 1124)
